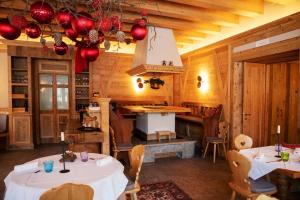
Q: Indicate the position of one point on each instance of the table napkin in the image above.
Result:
(26, 167)
(104, 161)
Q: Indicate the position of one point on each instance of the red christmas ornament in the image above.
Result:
(83, 23)
(8, 31)
(89, 53)
(18, 21)
(96, 4)
(70, 33)
(138, 32)
(144, 12)
(105, 24)
(42, 12)
(33, 30)
(141, 22)
(64, 18)
(62, 49)
(100, 37)
(116, 22)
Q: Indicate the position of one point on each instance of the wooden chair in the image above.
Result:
(136, 161)
(216, 141)
(265, 197)
(241, 183)
(69, 191)
(243, 141)
(116, 148)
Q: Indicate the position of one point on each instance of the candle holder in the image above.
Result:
(278, 147)
(63, 158)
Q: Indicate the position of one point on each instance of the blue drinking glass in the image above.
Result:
(48, 166)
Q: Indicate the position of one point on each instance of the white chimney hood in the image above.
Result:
(156, 55)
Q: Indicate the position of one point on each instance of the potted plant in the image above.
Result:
(155, 83)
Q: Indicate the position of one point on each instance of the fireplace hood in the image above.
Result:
(157, 54)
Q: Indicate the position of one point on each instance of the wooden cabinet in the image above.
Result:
(21, 136)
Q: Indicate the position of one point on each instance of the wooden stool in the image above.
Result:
(163, 133)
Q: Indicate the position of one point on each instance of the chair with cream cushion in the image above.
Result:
(136, 161)
(241, 183)
(69, 191)
(265, 197)
(243, 141)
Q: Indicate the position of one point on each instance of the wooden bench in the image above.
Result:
(196, 119)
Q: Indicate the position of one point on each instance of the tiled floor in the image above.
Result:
(199, 178)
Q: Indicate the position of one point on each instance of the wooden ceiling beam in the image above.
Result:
(248, 9)
(167, 22)
(181, 11)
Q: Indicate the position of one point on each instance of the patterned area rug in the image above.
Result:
(162, 191)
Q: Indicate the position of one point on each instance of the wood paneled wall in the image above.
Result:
(213, 67)
(110, 79)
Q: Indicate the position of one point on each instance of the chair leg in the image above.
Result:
(115, 154)
(133, 196)
(233, 194)
(205, 149)
(215, 146)
(225, 151)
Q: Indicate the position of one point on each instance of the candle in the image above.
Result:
(62, 136)
(278, 129)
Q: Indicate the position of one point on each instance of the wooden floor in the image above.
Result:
(199, 178)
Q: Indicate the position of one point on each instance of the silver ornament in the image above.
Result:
(93, 36)
(120, 35)
(106, 44)
(57, 38)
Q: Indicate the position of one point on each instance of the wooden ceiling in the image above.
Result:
(191, 20)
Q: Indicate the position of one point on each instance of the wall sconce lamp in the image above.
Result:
(199, 81)
(140, 83)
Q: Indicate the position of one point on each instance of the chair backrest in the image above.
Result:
(136, 161)
(3, 123)
(240, 167)
(113, 138)
(69, 191)
(223, 130)
(243, 141)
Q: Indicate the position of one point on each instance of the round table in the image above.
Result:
(107, 181)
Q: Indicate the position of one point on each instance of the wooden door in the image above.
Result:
(53, 99)
(21, 129)
(254, 103)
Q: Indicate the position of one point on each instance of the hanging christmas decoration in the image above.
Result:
(8, 31)
(90, 53)
(105, 24)
(101, 22)
(101, 37)
(138, 32)
(57, 39)
(32, 30)
(70, 33)
(18, 21)
(120, 35)
(106, 44)
(64, 17)
(82, 23)
(93, 36)
(62, 49)
(42, 12)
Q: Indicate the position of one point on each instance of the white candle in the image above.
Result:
(278, 129)
(62, 136)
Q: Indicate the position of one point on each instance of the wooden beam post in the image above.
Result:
(237, 100)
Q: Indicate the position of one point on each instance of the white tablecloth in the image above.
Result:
(261, 157)
(108, 181)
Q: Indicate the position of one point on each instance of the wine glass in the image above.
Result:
(285, 157)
